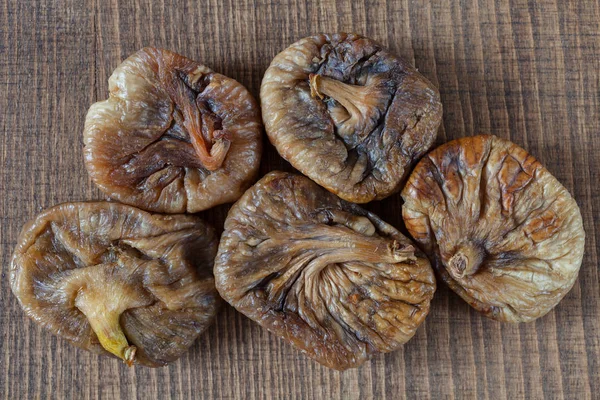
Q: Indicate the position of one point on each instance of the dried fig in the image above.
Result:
(173, 135)
(500, 230)
(116, 280)
(348, 114)
(324, 274)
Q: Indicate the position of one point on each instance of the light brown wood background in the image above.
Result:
(524, 70)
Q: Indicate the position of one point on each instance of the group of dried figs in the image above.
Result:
(302, 260)
(173, 137)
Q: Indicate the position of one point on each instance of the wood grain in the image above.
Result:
(526, 70)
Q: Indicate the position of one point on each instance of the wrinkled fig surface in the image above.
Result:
(173, 135)
(325, 275)
(348, 114)
(117, 280)
(501, 231)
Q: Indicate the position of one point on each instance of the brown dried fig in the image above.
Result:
(324, 274)
(348, 114)
(173, 135)
(116, 280)
(501, 231)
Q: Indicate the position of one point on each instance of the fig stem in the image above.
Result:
(193, 124)
(361, 106)
(192, 121)
(343, 93)
(466, 260)
(355, 247)
(335, 245)
(104, 320)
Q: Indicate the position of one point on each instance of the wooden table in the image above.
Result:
(524, 70)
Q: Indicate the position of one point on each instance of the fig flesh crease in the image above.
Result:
(111, 278)
(348, 114)
(173, 136)
(327, 276)
(501, 231)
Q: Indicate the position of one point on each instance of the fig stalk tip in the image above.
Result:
(465, 261)
(313, 82)
(129, 355)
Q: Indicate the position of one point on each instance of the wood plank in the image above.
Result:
(520, 69)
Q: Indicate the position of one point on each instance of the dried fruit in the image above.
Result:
(324, 274)
(173, 136)
(117, 280)
(348, 114)
(501, 231)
